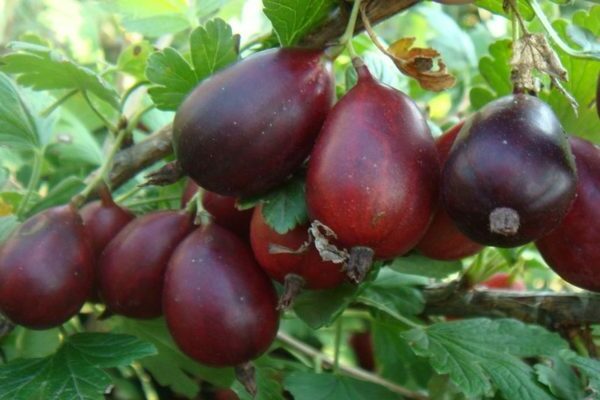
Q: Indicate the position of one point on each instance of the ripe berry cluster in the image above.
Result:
(375, 177)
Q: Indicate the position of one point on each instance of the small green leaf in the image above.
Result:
(292, 19)
(416, 264)
(43, 68)
(133, 59)
(75, 371)
(321, 307)
(17, 127)
(170, 367)
(284, 208)
(213, 47)
(173, 75)
(479, 352)
(390, 293)
(561, 379)
(495, 70)
(312, 386)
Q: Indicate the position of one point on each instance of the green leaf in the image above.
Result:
(479, 352)
(312, 386)
(133, 59)
(17, 127)
(170, 367)
(390, 293)
(589, 367)
(284, 208)
(74, 371)
(321, 307)
(73, 142)
(292, 19)
(395, 359)
(561, 379)
(416, 264)
(43, 68)
(175, 78)
(582, 75)
(495, 70)
(213, 47)
(496, 7)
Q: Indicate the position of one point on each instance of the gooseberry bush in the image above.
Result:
(308, 199)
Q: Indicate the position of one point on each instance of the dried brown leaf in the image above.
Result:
(419, 64)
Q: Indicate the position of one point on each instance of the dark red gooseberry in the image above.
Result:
(46, 269)
(362, 345)
(373, 174)
(245, 129)
(572, 249)
(103, 219)
(510, 177)
(443, 240)
(132, 267)
(219, 305)
(504, 281)
(278, 256)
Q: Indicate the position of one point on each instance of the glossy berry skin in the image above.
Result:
(373, 173)
(572, 249)
(103, 219)
(510, 177)
(132, 267)
(503, 281)
(316, 273)
(46, 269)
(443, 240)
(245, 129)
(220, 307)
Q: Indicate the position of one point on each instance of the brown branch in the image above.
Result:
(333, 27)
(130, 161)
(550, 309)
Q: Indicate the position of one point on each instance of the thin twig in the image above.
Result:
(346, 369)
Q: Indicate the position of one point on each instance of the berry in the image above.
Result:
(46, 269)
(373, 174)
(219, 305)
(245, 129)
(132, 267)
(510, 177)
(571, 249)
(276, 254)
